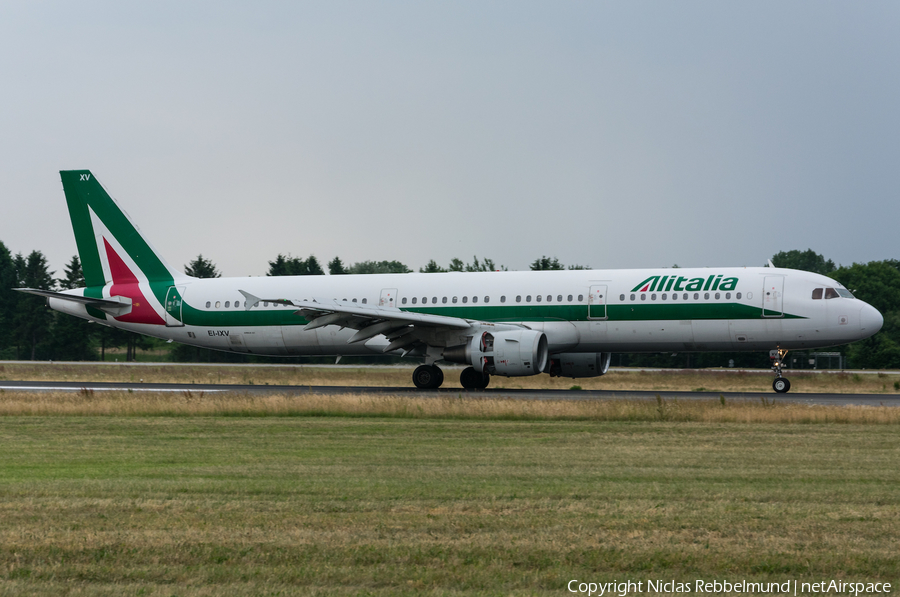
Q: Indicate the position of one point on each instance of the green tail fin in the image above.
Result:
(101, 226)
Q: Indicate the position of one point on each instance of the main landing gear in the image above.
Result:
(428, 377)
(473, 380)
(781, 384)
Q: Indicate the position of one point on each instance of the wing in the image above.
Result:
(401, 328)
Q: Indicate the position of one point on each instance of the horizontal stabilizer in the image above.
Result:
(114, 305)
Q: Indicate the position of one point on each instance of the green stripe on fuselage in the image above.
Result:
(281, 316)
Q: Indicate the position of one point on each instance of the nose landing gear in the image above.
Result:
(781, 384)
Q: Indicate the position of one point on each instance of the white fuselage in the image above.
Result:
(710, 309)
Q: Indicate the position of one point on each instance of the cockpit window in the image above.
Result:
(817, 293)
(831, 293)
(844, 293)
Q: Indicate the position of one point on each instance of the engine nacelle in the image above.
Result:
(511, 354)
(579, 364)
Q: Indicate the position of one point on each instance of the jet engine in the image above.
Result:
(579, 364)
(511, 354)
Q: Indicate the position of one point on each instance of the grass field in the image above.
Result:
(180, 494)
(714, 380)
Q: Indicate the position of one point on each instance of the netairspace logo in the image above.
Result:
(790, 587)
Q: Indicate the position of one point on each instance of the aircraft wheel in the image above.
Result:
(473, 380)
(427, 377)
(781, 385)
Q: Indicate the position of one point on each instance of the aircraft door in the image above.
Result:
(388, 297)
(773, 296)
(174, 304)
(597, 302)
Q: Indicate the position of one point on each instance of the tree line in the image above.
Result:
(29, 330)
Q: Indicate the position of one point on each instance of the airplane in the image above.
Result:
(563, 323)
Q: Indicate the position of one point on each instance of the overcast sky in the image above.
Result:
(625, 134)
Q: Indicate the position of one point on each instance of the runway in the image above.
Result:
(801, 398)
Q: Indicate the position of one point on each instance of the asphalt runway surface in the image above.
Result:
(450, 391)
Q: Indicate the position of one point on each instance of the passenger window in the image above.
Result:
(218, 304)
(228, 303)
(454, 300)
(738, 295)
(474, 299)
(696, 296)
(643, 297)
(434, 300)
(354, 300)
(632, 297)
(538, 298)
(528, 298)
(621, 298)
(569, 298)
(207, 304)
(503, 299)
(424, 299)
(415, 300)
(444, 300)
(559, 298)
(706, 296)
(465, 299)
(519, 298)
(549, 298)
(364, 301)
(402, 301)
(674, 296)
(830, 293)
(487, 299)
(653, 297)
(685, 297)
(718, 296)
(817, 294)
(727, 295)
(664, 296)
(580, 298)
(237, 304)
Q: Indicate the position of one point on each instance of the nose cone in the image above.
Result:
(870, 321)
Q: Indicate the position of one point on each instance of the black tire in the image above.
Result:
(781, 385)
(469, 378)
(440, 376)
(473, 380)
(426, 378)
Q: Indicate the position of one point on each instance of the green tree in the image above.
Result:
(457, 265)
(295, 266)
(545, 263)
(33, 318)
(432, 268)
(336, 267)
(72, 337)
(8, 300)
(313, 268)
(808, 261)
(877, 283)
(378, 267)
(202, 268)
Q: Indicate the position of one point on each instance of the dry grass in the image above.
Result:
(187, 404)
(307, 375)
